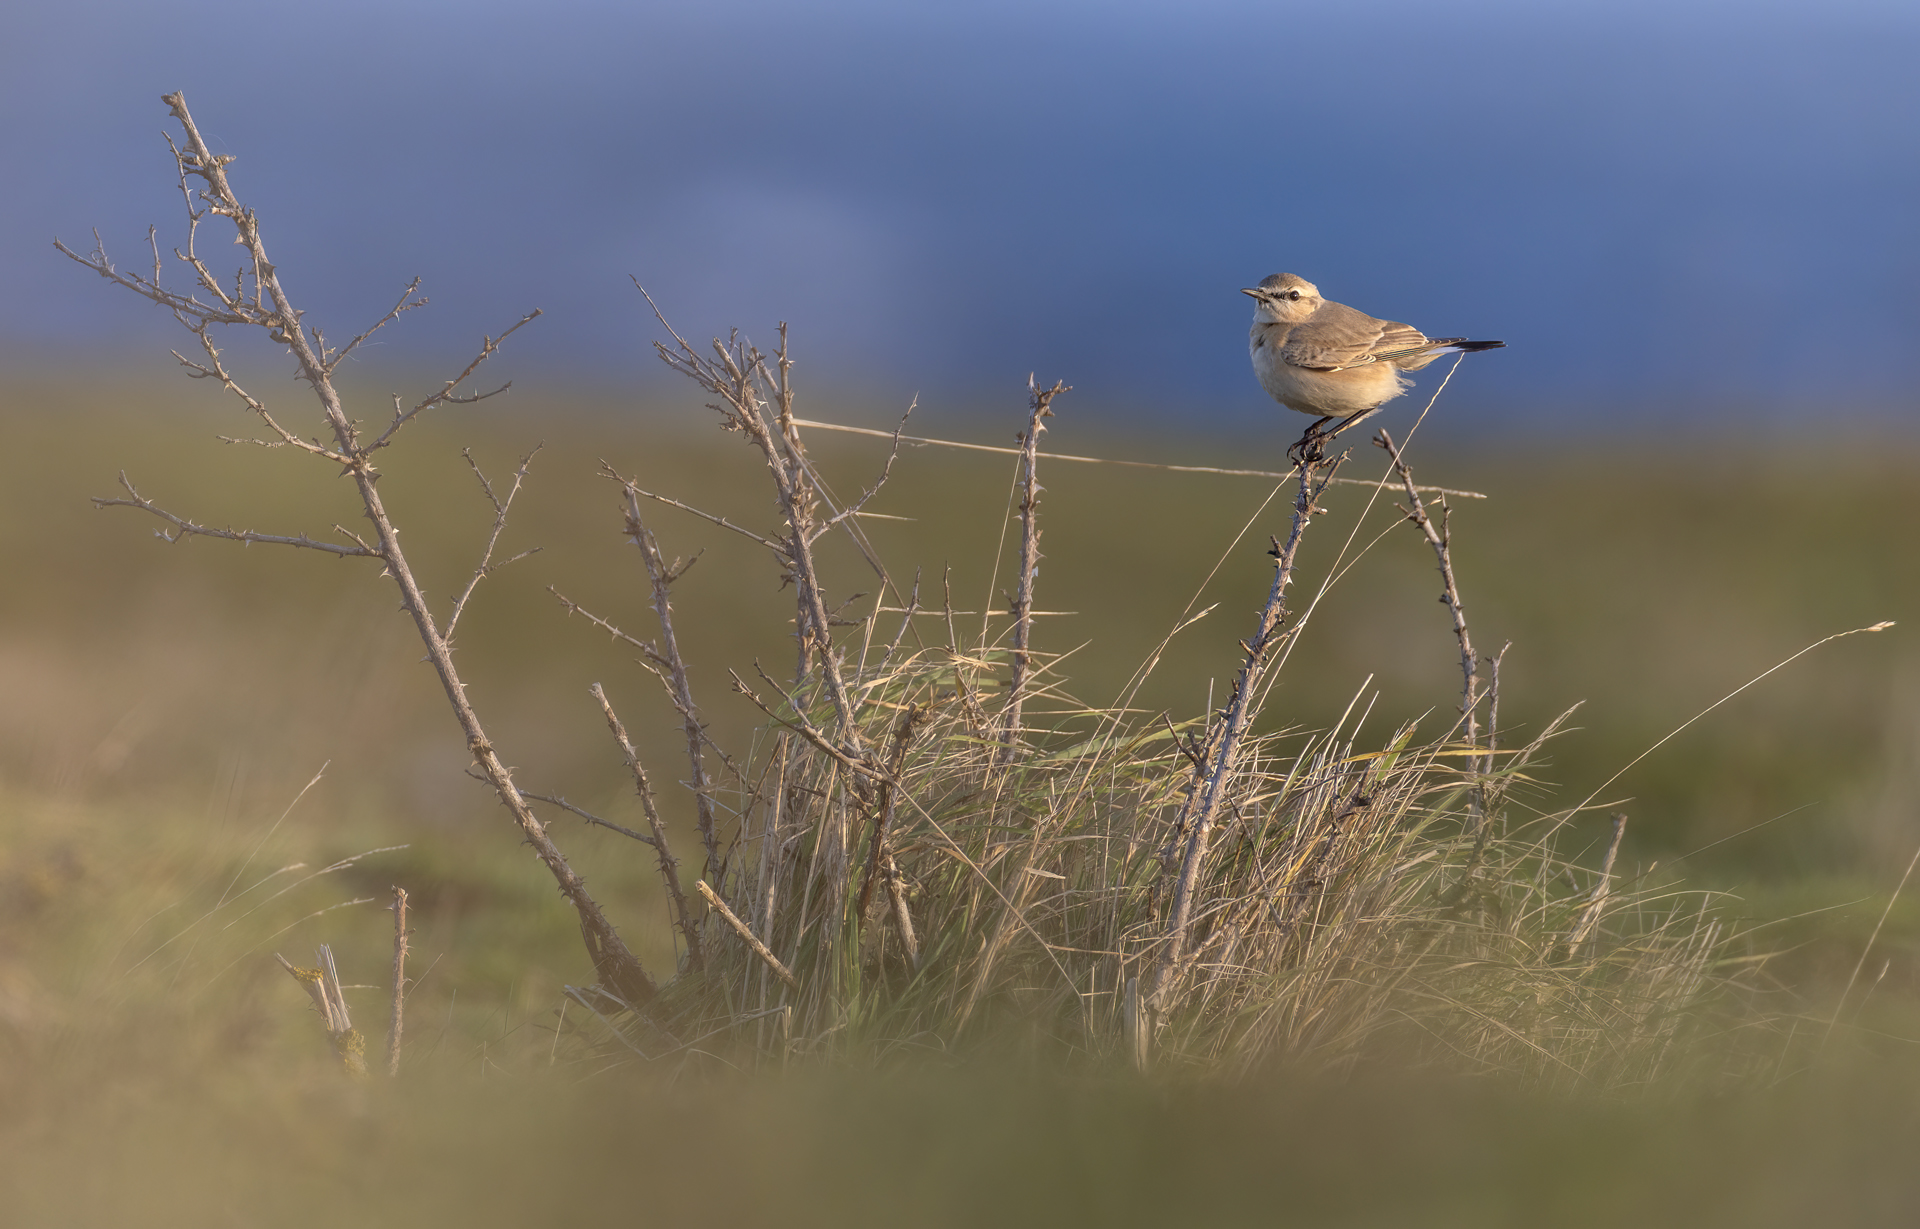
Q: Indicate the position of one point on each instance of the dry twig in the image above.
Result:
(740, 928)
(660, 578)
(669, 865)
(397, 1017)
(1439, 540)
(487, 566)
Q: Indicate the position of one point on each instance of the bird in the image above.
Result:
(1330, 360)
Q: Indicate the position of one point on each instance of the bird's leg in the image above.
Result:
(1349, 421)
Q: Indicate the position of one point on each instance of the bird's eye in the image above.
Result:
(1294, 295)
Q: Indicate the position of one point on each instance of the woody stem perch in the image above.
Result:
(1041, 401)
(1214, 773)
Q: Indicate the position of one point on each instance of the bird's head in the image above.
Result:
(1283, 299)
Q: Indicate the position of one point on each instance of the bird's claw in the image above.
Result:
(1309, 449)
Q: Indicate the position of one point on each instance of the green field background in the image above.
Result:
(162, 706)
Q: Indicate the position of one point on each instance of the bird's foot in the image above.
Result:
(1309, 449)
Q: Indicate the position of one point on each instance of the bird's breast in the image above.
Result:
(1335, 393)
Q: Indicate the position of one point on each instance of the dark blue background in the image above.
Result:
(1666, 209)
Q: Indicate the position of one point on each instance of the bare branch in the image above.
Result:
(184, 528)
(185, 308)
(405, 303)
(660, 578)
(902, 918)
(1041, 403)
(906, 614)
(487, 566)
(574, 608)
(669, 865)
(879, 856)
(446, 395)
(397, 1015)
(796, 720)
(652, 661)
(750, 391)
(759, 949)
(214, 369)
(344, 532)
(1214, 775)
(591, 818)
(858, 506)
(1416, 511)
(608, 472)
(257, 298)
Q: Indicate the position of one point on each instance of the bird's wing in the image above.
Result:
(1338, 337)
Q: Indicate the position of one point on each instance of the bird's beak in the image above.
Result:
(1253, 293)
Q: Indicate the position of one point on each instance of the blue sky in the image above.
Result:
(1665, 208)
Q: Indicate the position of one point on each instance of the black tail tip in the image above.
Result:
(1472, 347)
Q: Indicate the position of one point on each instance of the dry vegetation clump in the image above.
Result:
(931, 847)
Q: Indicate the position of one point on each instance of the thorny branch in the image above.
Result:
(879, 856)
(487, 566)
(669, 865)
(1416, 511)
(1214, 775)
(555, 801)
(752, 940)
(795, 719)
(755, 397)
(660, 578)
(858, 506)
(257, 298)
(184, 528)
(721, 521)
(446, 394)
(405, 303)
(1041, 403)
(1440, 540)
(652, 661)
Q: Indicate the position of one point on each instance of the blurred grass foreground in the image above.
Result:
(889, 846)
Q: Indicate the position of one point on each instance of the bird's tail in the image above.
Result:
(1464, 346)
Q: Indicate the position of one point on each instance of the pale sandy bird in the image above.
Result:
(1325, 358)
